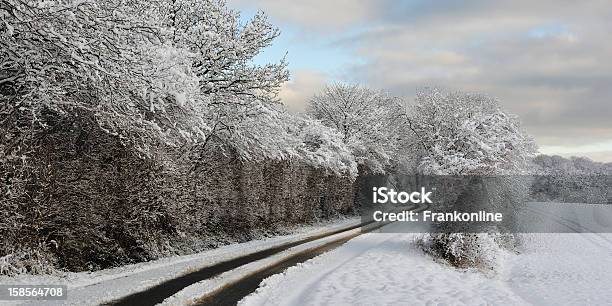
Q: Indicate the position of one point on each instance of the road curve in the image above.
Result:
(160, 292)
(232, 293)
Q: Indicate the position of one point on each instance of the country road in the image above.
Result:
(159, 293)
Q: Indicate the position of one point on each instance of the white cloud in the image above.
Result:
(302, 86)
(555, 80)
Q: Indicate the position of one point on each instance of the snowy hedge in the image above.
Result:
(136, 129)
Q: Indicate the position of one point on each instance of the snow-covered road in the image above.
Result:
(389, 269)
(93, 288)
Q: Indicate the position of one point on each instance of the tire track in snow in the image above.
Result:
(307, 289)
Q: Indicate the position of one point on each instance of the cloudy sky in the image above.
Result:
(550, 62)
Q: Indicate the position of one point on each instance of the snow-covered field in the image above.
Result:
(92, 288)
(563, 269)
(389, 269)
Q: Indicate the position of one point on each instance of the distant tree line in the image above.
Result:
(571, 180)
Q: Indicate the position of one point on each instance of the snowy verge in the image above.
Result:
(92, 288)
(197, 291)
(380, 269)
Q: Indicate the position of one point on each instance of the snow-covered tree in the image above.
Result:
(238, 92)
(367, 119)
(276, 134)
(322, 146)
(224, 49)
(99, 59)
(154, 74)
(466, 134)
